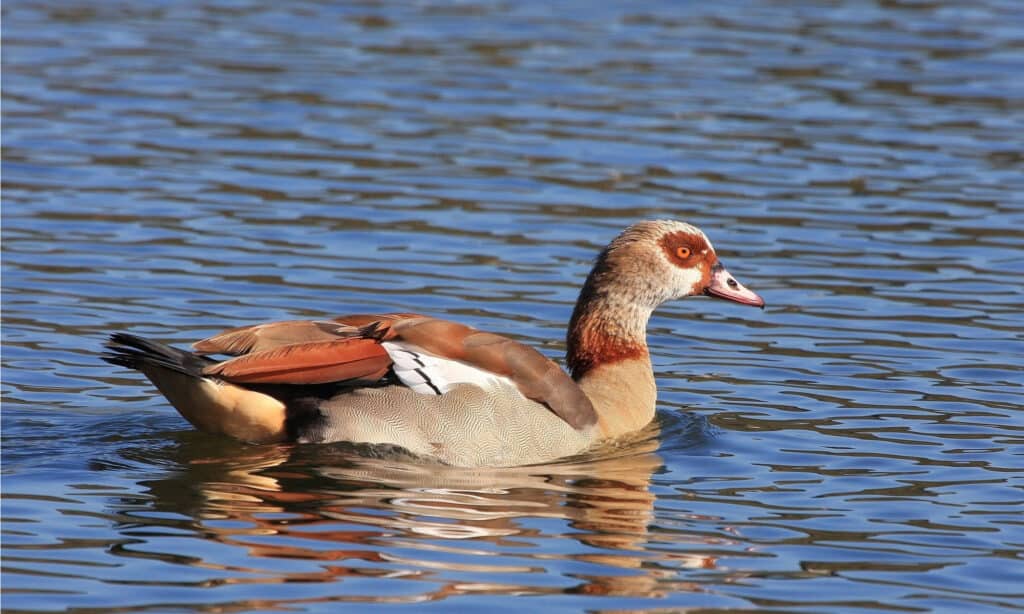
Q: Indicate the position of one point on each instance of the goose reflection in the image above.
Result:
(576, 526)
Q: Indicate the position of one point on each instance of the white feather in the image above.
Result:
(429, 374)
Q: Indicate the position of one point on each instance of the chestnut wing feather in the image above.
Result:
(344, 350)
(263, 337)
(352, 360)
(347, 349)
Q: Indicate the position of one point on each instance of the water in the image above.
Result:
(172, 169)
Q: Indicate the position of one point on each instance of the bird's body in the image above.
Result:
(440, 389)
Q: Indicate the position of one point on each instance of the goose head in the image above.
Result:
(656, 261)
(648, 264)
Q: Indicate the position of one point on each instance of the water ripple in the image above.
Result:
(174, 169)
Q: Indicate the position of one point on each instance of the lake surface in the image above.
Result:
(173, 169)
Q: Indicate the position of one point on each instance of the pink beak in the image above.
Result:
(724, 286)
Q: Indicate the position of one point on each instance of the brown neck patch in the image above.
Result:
(592, 351)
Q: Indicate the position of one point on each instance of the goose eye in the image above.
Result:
(683, 252)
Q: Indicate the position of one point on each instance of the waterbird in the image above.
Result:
(439, 389)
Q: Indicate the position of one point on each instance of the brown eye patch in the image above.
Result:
(683, 248)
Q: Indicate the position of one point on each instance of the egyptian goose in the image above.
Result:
(440, 389)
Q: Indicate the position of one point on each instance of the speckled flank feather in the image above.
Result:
(469, 426)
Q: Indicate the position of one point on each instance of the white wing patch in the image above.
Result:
(429, 374)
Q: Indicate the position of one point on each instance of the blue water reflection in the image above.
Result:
(175, 169)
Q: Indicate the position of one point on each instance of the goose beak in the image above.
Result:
(723, 285)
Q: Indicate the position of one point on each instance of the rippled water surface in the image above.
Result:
(173, 169)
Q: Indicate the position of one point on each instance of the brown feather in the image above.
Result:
(347, 349)
(263, 337)
(536, 376)
(439, 337)
(360, 320)
(341, 360)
